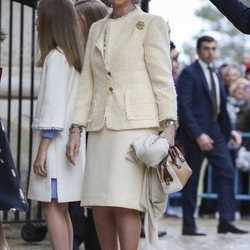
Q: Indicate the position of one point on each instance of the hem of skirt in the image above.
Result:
(49, 199)
(92, 202)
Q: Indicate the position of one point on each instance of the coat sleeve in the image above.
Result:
(185, 87)
(86, 86)
(53, 105)
(236, 12)
(157, 58)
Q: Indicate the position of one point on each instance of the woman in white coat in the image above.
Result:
(54, 181)
(126, 91)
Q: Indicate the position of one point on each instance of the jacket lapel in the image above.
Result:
(201, 76)
(100, 43)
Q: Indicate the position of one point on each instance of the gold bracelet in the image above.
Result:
(73, 126)
(171, 122)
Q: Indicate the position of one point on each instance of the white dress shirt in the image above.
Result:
(204, 67)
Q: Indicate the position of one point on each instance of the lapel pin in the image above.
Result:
(140, 25)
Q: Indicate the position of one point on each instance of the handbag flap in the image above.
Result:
(172, 166)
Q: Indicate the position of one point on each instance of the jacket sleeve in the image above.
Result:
(185, 88)
(86, 85)
(53, 104)
(157, 58)
(236, 12)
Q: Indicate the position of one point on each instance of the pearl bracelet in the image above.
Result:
(171, 122)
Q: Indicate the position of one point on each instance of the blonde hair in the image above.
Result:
(90, 11)
(58, 27)
(238, 83)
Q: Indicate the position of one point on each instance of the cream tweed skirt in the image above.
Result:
(110, 179)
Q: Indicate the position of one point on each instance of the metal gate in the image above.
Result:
(17, 92)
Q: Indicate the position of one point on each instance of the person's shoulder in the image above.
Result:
(99, 23)
(56, 53)
(152, 22)
(190, 69)
(151, 17)
(97, 26)
(55, 56)
(194, 65)
(190, 66)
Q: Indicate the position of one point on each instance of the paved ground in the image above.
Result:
(174, 240)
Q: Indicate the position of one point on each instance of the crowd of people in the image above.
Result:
(110, 77)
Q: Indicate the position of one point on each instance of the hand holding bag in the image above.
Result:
(173, 171)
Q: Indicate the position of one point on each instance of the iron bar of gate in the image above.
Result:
(32, 77)
(39, 210)
(10, 68)
(0, 26)
(30, 3)
(5, 214)
(19, 125)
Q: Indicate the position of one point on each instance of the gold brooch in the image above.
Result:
(140, 25)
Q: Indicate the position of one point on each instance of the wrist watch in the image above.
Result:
(171, 122)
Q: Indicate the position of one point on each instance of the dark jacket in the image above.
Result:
(195, 105)
(236, 12)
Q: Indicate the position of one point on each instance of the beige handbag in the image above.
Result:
(173, 171)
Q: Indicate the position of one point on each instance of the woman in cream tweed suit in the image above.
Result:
(126, 91)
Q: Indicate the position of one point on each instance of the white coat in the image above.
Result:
(56, 101)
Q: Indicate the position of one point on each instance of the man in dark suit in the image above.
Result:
(204, 132)
(236, 12)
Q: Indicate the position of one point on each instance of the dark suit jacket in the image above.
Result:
(236, 12)
(195, 105)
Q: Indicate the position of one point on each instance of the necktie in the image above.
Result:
(213, 93)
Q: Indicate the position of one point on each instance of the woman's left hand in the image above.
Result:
(169, 135)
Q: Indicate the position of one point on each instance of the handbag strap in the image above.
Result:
(171, 158)
(175, 153)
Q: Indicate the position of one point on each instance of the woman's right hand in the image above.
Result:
(39, 164)
(73, 145)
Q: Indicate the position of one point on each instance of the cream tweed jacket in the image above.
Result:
(126, 80)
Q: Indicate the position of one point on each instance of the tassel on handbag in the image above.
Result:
(173, 171)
